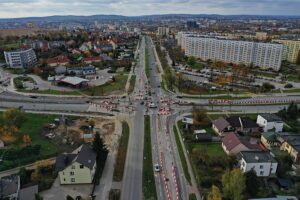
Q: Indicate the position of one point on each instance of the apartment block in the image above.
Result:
(20, 58)
(263, 55)
(291, 49)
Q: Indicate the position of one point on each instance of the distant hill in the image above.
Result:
(61, 18)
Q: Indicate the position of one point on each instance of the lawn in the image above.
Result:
(149, 188)
(147, 65)
(32, 126)
(192, 196)
(181, 155)
(213, 149)
(53, 92)
(117, 86)
(132, 83)
(122, 152)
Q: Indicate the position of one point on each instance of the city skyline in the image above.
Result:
(39, 8)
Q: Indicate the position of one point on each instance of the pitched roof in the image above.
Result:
(248, 123)
(73, 80)
(86, 156)
(92, 59)
(234, 121)
(270, 136)
(58, 59)
(257, 156)
(293, 140)
(28, 193)
(63, 160)
(231, 140)
(220, 123)
(9, 185)
(270, 117)
(238, 122)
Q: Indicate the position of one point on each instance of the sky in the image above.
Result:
(30, 8)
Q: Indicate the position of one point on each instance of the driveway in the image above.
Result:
(58, 191)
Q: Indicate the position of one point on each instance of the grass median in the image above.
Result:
(181, 155)
(147, 65)
(149, 188)
(122, 152)
(132, 84)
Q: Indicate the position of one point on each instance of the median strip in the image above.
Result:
(181, 155)
(149, 188)
(122, 151)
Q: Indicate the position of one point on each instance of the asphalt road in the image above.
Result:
(163, 146)
(132, 180)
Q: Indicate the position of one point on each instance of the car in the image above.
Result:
(142, 103)
(157, 168)
(152, 105)
(50, 136)
(33, 97)
(179, 97)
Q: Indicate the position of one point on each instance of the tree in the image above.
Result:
(13, 117)
(23, 176)
(252, 183)
(38, 197)
(284, 164)
(26, 139)
(233, 183)
(199, 114)
(191, 61)
(99, 147)
(267, 87)
(92, 123)
(215, 194)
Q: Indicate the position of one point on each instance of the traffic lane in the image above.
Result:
(48, 99)
(241, 108)
(46, 106)
(156, 157)
(171, 120)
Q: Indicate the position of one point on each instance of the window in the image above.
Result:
(73, 180)
(73, 167)
(72, 173)
(261, 166)
(261, 173)
(64, 179)
(81, 166)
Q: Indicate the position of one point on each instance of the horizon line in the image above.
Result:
(71, 15)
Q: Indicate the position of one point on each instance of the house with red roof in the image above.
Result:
(90, 60)
(232, 144)
(58, 60)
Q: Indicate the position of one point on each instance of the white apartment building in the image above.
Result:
(20, 59)
(291, 49)
(261, 162)
(263, 55)
(163, 31)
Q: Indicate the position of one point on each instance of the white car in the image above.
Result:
(152, 105)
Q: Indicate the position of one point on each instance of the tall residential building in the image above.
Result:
(20, 58)
(261, 36)
(263, 55)
(291, 49)
(163, 31)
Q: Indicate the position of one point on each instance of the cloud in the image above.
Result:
(25, 8)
